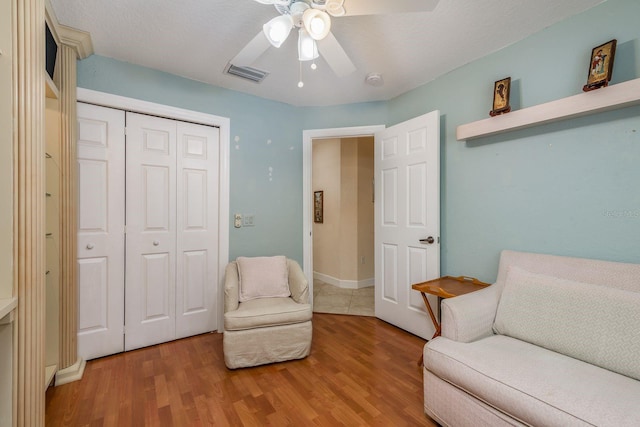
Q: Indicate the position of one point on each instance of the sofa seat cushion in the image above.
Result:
(535, 385)
(263, 312)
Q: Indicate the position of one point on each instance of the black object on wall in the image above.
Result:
(51, 52)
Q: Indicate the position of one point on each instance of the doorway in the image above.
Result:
(407, 182)
(344, 288)
(343, 225)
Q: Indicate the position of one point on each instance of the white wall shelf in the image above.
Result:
(621, 95)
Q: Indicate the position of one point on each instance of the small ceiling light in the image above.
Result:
(277, 30)
(317, 23)
(374, 79)
(307, 48)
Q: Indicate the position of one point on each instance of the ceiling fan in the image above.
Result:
(312, 18)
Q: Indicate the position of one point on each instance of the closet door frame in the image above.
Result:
(224, 124)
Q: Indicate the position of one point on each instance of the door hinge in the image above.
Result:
(125, 131)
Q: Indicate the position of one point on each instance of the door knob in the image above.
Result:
(156, 243)
(90, 246)
(428, 241)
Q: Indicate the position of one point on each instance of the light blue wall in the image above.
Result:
(567, 188)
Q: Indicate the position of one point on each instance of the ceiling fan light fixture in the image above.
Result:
(276, 2)
(307, 47)
(317, 23)
(335, 7)
(277, 30)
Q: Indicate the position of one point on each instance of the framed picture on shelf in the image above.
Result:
(501, 92)
(317, 206)
(601, 66)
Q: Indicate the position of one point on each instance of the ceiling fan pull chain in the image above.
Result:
(300, 82)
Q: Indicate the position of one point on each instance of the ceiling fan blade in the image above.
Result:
(381, 7)
(252, 51)
(335, 56)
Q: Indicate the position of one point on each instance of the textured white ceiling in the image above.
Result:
(196, 39)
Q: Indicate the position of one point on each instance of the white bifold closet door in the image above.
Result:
(171, 229)
(169, 216)
(101, 185)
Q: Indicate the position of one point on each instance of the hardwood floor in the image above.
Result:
(361, 372)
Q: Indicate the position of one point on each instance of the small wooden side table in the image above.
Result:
(446, 287)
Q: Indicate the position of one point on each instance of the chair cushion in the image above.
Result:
(263, 277)
(596, 324)
(264, 312)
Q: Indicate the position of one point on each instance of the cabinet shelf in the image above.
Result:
(7, 305)
(49, 373)
(621, 95)
(51, 88)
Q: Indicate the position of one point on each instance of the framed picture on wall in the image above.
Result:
(317, 206)
(501, 92)
(601, 66)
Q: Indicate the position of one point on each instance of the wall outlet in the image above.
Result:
(237, 220)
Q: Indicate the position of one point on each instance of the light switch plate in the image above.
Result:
(237, 220)
(247, 220)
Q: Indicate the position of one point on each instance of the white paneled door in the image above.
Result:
(151, 231)
(172, 193)
(148, 254)
(197, 223)
(101, 164)
(407, 220)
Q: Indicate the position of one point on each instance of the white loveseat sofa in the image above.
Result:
(554, 342)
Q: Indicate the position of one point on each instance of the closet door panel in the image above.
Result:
(151, 231)
(101, 180)
(197, 223)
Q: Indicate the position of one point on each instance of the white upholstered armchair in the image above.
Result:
(267, 315)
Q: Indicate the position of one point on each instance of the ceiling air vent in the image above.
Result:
(249, 73)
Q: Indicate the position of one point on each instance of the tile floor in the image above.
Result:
(332, 299)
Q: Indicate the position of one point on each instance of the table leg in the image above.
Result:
(435, 322)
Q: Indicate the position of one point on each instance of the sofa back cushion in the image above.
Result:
(597, 324)
(263, 277)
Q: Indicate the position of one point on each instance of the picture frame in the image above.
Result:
(318, 197)
(501, 93)
(601, 66)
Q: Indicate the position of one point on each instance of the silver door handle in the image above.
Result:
(156, 243)
(90, 246)
(428, 241)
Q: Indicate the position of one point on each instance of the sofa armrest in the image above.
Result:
(231, 287)
(298, 284)
(470, 317)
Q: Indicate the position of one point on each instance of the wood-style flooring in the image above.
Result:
(361, 372)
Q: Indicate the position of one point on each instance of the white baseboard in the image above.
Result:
(72, 373)
(345, 284)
